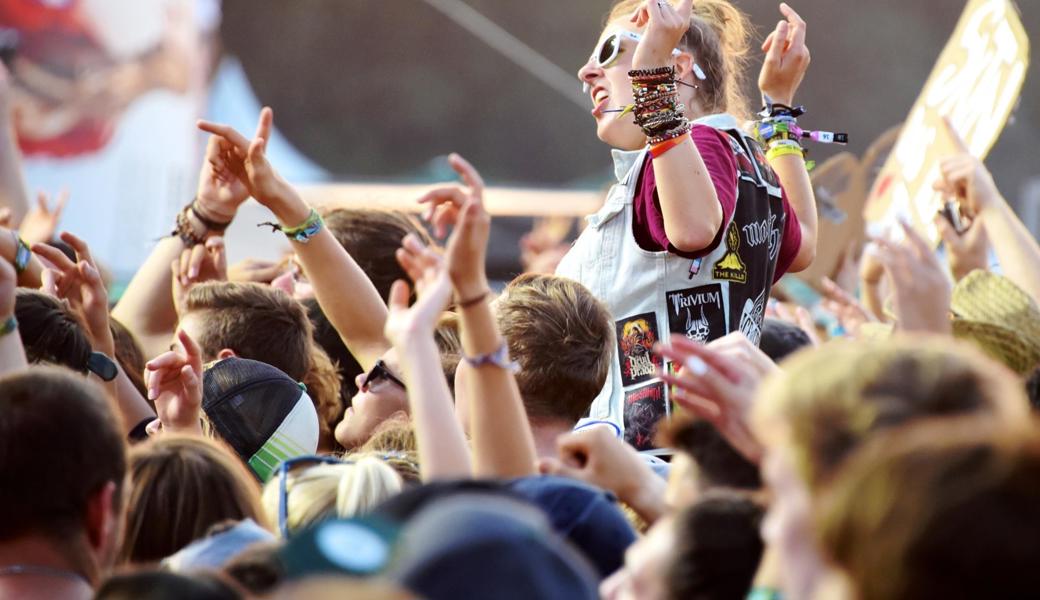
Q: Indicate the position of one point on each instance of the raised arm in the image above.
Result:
(13, 194)
(689, 204)
(80, 284)
(12, 354)
(503, 445)
(967, 178)
(146, 307)
(343, 291)
(443, 453)
(787, 59)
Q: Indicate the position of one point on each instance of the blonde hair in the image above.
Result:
(829, 400)
(327, 491)
(719, 39)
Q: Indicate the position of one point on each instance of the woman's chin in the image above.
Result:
(617, 135)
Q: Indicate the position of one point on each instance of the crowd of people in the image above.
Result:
(373, 418)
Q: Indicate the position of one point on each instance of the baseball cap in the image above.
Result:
(586, 516)
(215, 551)
(261, 412)
(486, 546)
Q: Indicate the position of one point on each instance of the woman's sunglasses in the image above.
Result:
(379, 373)
(609, 49)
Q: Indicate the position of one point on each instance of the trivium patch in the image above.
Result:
(644, 409)
(731, 267)
(698, 313)
(636, 337)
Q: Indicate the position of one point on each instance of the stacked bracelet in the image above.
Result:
(186, 231)
(303, 232)
(210, 224)
(658, 111)
(779, 131)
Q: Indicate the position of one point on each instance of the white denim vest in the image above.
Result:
(652, 294)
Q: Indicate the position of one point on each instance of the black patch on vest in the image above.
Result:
(644, 409)
(636, 337)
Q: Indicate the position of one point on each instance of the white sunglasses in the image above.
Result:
(610, 48)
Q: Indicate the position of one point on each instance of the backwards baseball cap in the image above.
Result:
(260, 412)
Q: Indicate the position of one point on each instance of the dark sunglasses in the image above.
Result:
(378, 373)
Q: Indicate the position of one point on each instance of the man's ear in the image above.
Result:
(101, 516)
(226, 353)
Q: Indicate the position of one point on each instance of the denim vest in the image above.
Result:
(654, 294)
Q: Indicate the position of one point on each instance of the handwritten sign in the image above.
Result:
(976, 82)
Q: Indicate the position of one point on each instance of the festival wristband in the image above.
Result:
(784, 149)
(499, 358)
(9, 326)
(303, 232)
(22, 254)
(658, 150)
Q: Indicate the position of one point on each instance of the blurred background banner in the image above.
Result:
(376, 92)
(976, 84)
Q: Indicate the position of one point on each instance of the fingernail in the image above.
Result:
(152, 394)
(696, 366)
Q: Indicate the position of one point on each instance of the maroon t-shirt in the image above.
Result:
(713, 145)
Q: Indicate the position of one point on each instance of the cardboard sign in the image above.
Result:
(976, 82)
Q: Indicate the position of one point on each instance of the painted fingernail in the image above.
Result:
(696, 366)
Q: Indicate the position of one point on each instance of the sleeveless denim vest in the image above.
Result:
(654, 294)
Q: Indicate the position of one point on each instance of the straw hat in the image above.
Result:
(999, 317)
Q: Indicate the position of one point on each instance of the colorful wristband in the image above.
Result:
(784, 149)
(658, 150)
(303, 232)
(22, 254)
(9, 326)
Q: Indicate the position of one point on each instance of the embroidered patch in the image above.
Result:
(636, 337)
(644, 409)
(751, 318)
(731, 267)
(695, 267)
(761, 232)
(698, 313)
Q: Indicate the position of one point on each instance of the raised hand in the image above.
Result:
(717, 386)
(920, 287)
(247, 161)
(174, 381)
(80, 284)
(198, 264)
(787, 58)
(966, 177)
(425, 267)
(41, 222)
(665, 26)
(967, 250)
(600, 458)
(462, 206)
(851, 314)
(223, 183)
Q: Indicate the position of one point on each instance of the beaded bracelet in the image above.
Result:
(184, 230)
(303, 232)
(680, 130)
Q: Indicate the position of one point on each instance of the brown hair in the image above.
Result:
(50, 332)
(561, 336)
(718, 462)
(830, 399)
(372, 238)
(130, 356)
(181, 486)
(258, 322)
(60, 443)
(718, 38)
(323, 386)
(942, 510)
